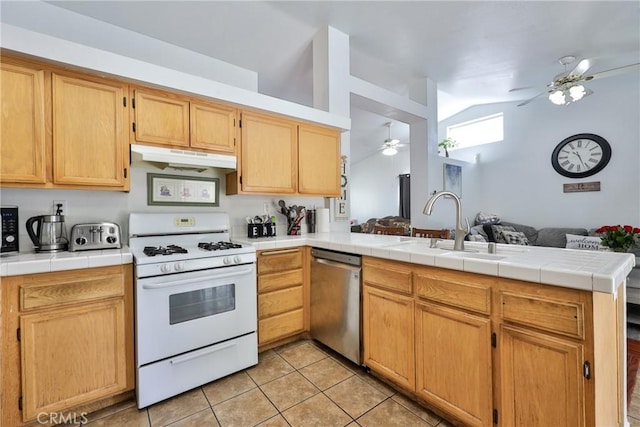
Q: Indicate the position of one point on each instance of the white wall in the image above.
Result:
(375, 189)
(114, 206)
(516, 178)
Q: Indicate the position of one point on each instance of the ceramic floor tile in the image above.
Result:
(634, 422)
(317, 411)
(247, 409)
(199, 419)
(355, 396)
(277, 421)
(269, 369)
(178, 407)
(390, 414)
(288, 390)
(228, 387)
(325, 373)
(131, 416)
(376, 383)
(420, 411)
(302, 355)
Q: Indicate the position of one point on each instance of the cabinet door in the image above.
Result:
(269, 155)
(213, 127)
(90, 140)
(161, 119)
(453, 362)
(22, 125)
(541, 379)
(318, 161)
(388, 335)
(72, 356)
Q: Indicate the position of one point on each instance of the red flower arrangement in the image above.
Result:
(619, 237)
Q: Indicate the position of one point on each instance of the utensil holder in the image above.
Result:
(255, 230)
(269, 230)
(293, 230)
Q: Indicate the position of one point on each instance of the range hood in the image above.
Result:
(181, 159)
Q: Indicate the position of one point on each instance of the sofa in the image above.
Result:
(387, 221)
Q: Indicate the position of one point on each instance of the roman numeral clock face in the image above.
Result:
(581, 155)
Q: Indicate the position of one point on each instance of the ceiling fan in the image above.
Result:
(390, 146)
(567, 86)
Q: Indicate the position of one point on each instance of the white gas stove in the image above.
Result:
(196, 309)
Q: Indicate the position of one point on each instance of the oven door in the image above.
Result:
(186, 311)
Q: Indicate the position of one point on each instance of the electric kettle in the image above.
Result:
(48, 232)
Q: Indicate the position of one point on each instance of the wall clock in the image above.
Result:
(581, 155)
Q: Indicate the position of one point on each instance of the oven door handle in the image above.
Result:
(199, 279)
(200, 353)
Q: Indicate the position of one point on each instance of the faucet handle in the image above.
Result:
(467, 229)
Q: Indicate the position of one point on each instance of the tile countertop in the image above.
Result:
(30, 263)
(580, 269)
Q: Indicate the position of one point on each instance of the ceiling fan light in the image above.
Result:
(557, 97)
(577, 92)
(390, 151)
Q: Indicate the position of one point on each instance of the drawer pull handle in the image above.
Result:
(200, 353)
(284, 251)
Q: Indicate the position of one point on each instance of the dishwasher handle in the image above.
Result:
(352, 268)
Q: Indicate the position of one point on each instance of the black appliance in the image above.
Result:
(10, 225)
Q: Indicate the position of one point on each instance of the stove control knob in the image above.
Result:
(165, 268)
(179, 266)
(226, 260)
(237, 259)
(81, 240)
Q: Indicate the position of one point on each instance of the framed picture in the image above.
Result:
(453, 179)
(174, 190)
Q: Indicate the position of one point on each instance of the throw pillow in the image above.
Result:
(476, 238)
(583, 242)
(494, 232)
(486, 218)
(515, 238)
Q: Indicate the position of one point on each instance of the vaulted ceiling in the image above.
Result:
(476, 51)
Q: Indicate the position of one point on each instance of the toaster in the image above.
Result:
(98, 235)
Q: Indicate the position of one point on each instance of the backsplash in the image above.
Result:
(97, 206)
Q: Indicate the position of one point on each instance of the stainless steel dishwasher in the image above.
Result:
(335, 301)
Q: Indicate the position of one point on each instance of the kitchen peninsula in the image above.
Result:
(525, 336)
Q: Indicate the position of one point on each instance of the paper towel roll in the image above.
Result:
(322, 220)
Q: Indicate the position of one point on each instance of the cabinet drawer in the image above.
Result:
(276, 281)
(566, 318)
(447, 289)
(65, 288)
(279, 301)
(279, 260)
(387, 274)
(280, 326)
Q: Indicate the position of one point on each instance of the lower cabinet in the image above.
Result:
(388, 335)
(67, 341)
(548, 372)
(487, 351)
(281, 294)
(453, 362)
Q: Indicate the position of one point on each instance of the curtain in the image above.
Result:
(405, 196)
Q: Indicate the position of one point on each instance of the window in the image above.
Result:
(479, 131)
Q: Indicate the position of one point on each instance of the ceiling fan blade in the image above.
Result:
(531, 99)
(580, 69)
(613, 72)
(515, 89)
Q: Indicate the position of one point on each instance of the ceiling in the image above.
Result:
(476, 51)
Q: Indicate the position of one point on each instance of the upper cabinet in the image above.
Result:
(89, 132)
(162, 118)
(22, 124)
(318, 161)
(62, 129)
(280, 156)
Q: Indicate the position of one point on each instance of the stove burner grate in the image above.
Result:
(160, 250)
(219, 246)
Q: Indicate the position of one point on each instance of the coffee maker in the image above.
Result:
(48, 232)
